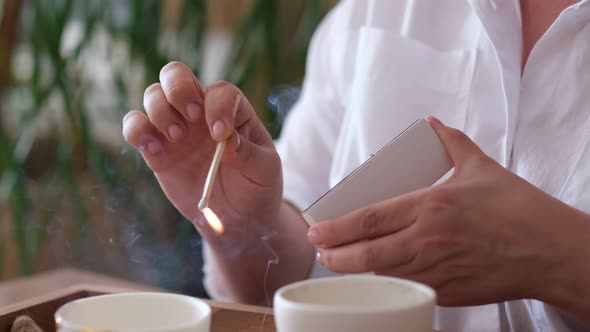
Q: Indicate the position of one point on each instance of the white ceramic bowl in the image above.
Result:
(135, 312)
(353, 304)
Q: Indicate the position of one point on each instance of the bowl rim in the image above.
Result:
(280, 299)
(200, 304)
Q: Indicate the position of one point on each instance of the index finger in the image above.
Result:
(367, 223)
(183, 90)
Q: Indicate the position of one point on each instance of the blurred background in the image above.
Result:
(72, 193)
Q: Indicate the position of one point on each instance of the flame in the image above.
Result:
(213, 220)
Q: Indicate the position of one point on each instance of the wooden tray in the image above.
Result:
(226, 317)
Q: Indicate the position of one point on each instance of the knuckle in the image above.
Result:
(442, 251)
(439, 200)
(175, 94)
(171, 67)
(329, 230)
(406, 252)
(127, 133)
(457, 134)
(133, 126)
(223, 89)
(151, 91)
(369, 222)
(177, 84)
(440, 244)
(128, 116)
(368, 257)
(327, 260)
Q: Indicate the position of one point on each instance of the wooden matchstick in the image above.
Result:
(204, 202)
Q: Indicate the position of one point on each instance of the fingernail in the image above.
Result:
(433, 119)
(175, 131)
(154, 146)
(193, 111)
(318, 256)
(218, 129)
(314, 237)
(129, 114)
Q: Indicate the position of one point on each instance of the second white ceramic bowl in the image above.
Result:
(353, 304)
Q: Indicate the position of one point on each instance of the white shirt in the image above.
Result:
(376, 66)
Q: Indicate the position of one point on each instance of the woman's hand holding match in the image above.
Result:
(178, 134)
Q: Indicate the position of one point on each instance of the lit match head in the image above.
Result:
(203, 204)
(213, 220)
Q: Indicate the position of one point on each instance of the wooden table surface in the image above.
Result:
(22, 293)
(23, 289)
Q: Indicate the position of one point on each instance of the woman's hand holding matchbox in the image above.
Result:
(482, 236)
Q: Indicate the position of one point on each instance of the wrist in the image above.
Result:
(242, 237)
(251, 236)
(565, 285)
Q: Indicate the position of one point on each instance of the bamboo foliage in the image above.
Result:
(57, 96)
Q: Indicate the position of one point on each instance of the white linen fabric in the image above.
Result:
(375, 66)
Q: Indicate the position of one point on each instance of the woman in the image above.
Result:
(510, 224)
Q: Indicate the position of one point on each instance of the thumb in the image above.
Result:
(459, 147)
(260, 163)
